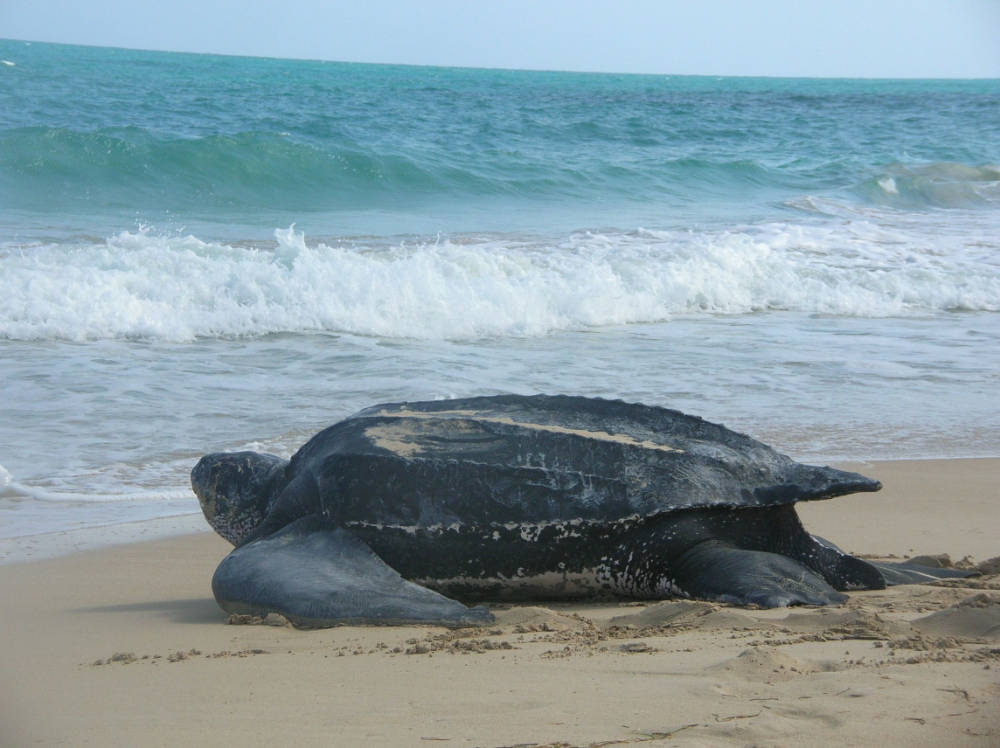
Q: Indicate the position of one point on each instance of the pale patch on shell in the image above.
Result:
(398, 441)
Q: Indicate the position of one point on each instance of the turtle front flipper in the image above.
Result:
(316, 576)
(716, 570)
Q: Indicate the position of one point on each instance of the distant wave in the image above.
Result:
(50, 168)
(130, 167)
(148, 286)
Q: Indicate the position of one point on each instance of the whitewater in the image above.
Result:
(180, 288)
(203, 253)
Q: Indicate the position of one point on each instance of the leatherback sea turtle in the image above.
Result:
(391, 513)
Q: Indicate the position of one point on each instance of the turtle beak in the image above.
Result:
(235, 490)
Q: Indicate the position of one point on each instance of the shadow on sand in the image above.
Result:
(191, 610)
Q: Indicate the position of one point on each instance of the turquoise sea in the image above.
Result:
(200, 253)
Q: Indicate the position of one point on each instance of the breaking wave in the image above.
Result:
(940, 185)
(147, 286)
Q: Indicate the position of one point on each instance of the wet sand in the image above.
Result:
(125, 646)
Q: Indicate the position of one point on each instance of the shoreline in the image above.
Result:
(125, 645)
(63, 543)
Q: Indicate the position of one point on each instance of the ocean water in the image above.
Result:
(202, 253)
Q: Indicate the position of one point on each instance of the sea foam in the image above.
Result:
(145, 285)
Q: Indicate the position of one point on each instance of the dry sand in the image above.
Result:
(125, 646)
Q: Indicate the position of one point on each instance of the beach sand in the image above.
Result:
(125, 646)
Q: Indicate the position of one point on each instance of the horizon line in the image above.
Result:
(506, 69)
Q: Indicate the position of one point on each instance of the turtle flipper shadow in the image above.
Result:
(316, 576)
(715, 570)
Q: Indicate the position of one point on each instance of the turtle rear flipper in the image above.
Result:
(716, 570)
(316, 576)
(903, 572)
(909, 573)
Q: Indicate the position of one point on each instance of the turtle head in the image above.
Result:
(236, 489)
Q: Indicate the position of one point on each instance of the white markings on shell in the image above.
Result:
(403, 437)
(529, 532)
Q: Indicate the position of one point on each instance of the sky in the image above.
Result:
(824, 38)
